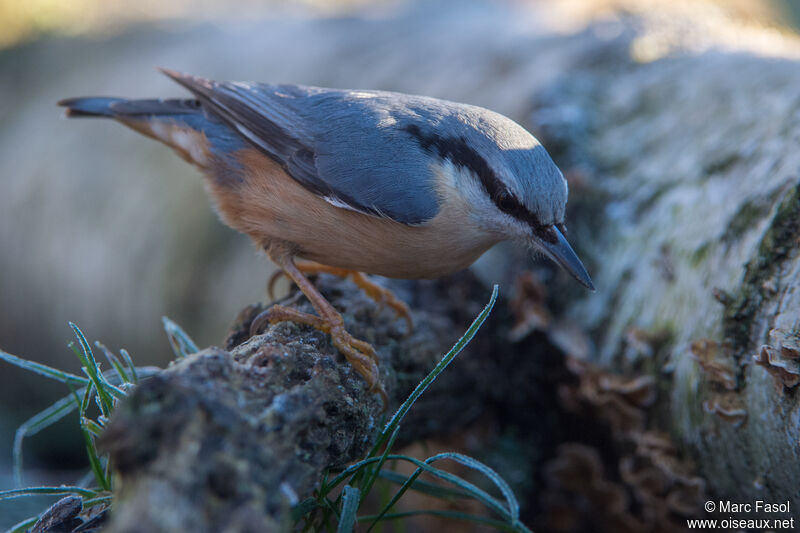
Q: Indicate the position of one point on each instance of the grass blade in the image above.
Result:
(23, 526)
(454, 515)
(114, 361)
(36, 423)
(94, 459)
(392, 426)
(425, 487)
(303, 508)
(103, 388)
(38, 491)
(473, 490)
(43, 370)
(58, 411)
(350, 470)
(438, 369)
(494, 477)
(99, 500)
(91, 451)
(351, 497)
(181, 343)
(128, 361)
(108, 387)
(93, 427)
(468, 488)
(372, 473)
(93, 371)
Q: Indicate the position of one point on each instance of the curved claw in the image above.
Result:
(363, 363)
(360, 354)
(380, 295)
(271, 283)
(384, 296)
(365, 348)
(259, 322)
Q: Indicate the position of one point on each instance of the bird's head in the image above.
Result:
(512, 187)
(528, 197)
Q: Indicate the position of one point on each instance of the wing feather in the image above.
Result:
(327, 143)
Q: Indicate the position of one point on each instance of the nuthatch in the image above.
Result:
(358, 181)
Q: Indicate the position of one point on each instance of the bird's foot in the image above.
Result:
(381, 295)
(360, 354)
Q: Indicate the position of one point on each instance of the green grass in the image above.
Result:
(102, 389)
(334, 506)
(338, 499)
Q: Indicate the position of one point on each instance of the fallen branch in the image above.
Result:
(231, 439)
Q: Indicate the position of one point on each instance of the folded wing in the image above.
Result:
(348, 147)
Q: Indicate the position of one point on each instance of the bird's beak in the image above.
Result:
(552, 242)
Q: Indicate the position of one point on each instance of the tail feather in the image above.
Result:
(121, 107)
(89, 107)
(178, 123)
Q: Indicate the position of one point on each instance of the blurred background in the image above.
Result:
(110, 230)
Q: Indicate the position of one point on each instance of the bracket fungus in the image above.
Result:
(728, 407)
(716, 361)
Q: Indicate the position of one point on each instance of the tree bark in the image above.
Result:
(686, 195)
(230, 439)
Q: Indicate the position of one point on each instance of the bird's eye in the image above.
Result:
(505, 202)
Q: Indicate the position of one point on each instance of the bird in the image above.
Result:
(350, 182)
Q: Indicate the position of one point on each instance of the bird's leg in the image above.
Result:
(361, 355)
(383, 295)
(379, 294)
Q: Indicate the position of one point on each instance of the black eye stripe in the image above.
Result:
(457, 151)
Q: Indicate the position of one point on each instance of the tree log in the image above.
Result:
(229, 439)
(685, 172)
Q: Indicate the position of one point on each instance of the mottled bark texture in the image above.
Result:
(228, 439)
(686, 191)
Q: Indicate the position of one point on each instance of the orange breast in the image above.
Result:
(268, 205)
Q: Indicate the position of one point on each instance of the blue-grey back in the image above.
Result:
(372, 146)
(376, 151)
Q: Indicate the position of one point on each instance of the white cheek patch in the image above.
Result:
(463, 183)
(457, 180)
